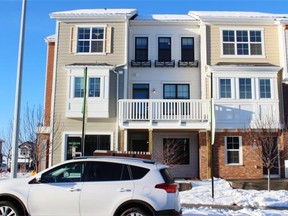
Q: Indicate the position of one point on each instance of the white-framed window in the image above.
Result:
(265, 88)
(90, 39)
(233, 150)
(93, 87)
(225, 88)
(241, 42)
(245, 88)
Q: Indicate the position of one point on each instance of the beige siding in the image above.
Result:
(64, 57)
(270, 42)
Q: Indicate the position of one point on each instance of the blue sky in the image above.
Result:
(39, 26)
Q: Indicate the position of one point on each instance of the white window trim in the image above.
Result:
(240, 152)
(232, 88)
(242, 56)
(104, 40)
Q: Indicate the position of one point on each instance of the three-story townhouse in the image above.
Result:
(90, 45)
(243, 60)
(165, 112)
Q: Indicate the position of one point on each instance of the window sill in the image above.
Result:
(140, 63)
(187, 63)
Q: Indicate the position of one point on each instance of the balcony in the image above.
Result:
(165, 114)
(140, 63)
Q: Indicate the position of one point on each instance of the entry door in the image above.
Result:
(140, 110)
(141, 91)
(275, 171)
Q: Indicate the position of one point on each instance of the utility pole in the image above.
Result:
(17, 108)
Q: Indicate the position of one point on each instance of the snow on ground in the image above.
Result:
(253, 202)
(198, 201)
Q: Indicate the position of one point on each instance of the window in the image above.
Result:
(233, 146)
(245, 88)
(176, 150)
(141, 49)
(94, 87)
(265, 88)
(78, 87)
(225, 88)
(71, 172)
(176, 91)
(90, 40)
(105, 171)
(96, 142)
(242, 42)
(164, 49)
(187, 49)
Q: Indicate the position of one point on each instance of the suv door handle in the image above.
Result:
(124, 190)
(73, 189)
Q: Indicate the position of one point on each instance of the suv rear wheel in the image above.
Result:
(9, 209)
(134, 212)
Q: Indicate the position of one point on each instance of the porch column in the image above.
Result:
(208, 141)
(122, 137)
(150, 147)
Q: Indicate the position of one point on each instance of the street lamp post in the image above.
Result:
(15, 137)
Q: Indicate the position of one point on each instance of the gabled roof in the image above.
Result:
(94, 14)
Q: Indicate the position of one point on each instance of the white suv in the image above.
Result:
(93, 186)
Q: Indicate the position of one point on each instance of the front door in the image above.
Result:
(140, 110)
(273, 154)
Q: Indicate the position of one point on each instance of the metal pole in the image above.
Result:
(84, 113)
(212, 137)
(17, 108)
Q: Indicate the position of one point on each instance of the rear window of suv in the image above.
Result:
(167, 176)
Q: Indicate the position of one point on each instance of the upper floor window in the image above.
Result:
(245, 88)
(242, 42)
(187, 49)
(265, 88)
(225, 88)
(176, 91)
(164, 49)
(233, 148)
(93, 87)
(90, 40)
(141, 49)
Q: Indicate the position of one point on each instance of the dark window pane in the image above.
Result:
(225, 88)
(245, 88)
(164, 49)
(256, 49)
(176, 150)
(233, 157)
(228, 49)
(141, 49)
(138, 172)
(242, 36)
(255, 36)
(187, 49)
(242, 49)
(228, 36)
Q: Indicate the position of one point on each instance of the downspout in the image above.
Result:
(125, 81)
(52, 118)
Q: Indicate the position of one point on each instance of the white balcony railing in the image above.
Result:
(161, 110)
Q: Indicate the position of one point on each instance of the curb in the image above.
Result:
(233, 207)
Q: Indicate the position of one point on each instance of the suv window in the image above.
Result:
(106, 171)
(166, 176)
(138, 172)
(71, 172)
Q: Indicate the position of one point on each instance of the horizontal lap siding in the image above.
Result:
(271, 44)
(64, 57)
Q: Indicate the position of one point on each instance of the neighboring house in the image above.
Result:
(25, 161)
(244, 60)
(150, 80)
(166, 105)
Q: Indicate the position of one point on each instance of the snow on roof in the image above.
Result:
(93, 12)
(165, 17)
(234, 14)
